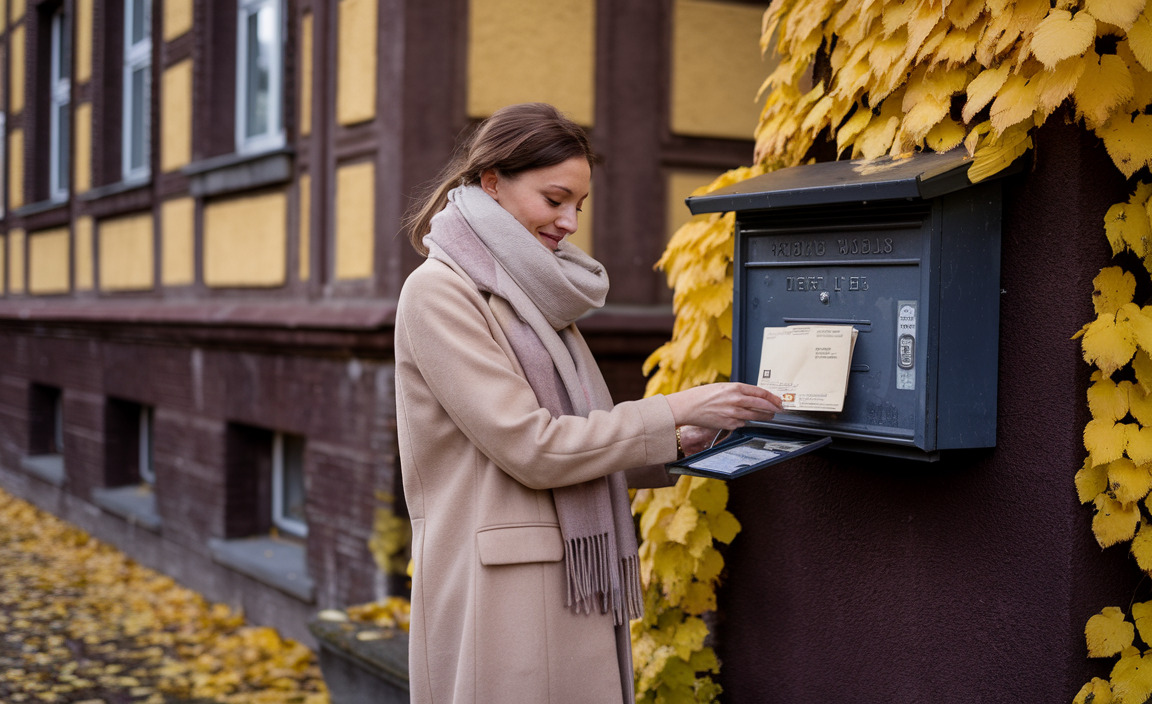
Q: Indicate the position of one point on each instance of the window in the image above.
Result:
(46, 420)
(288, 484)
(3, 153)
(137, 88)
(60, 93)
(259, 75)
(145, 466)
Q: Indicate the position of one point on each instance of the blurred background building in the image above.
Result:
(199, 256)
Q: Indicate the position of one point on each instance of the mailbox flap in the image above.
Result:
(747, 450)
(920, 176)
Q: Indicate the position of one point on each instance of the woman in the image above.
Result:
(512, 453)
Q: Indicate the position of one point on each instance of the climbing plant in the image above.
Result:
(876, 79)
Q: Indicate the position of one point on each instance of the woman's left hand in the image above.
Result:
(695, 439)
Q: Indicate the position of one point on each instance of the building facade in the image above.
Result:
(199, 257)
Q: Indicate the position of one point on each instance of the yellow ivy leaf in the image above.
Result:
(1107, 399)
(998, 154)
(710, 565)
(1142, 365)
(1113, 288)
(1097, 691)
(1132, 677)
(1139, 446)
(1016, 101)
(1108, 343)
(1142, 551)
(959, 45)
(1121, 13)
(945, 136)
(1060, 35)
(963, 13)
(1091, 481)
(847, 134)
(683, 522)
(1142, 614)
(1127, 481)
(689, 636)
(1114, 522)
(1105, 441)
(708, 495)
(1105, 86)
(1058, 84)
(923, 116)
(1126, 224)
(1108, 633)
(1139, 402)
(983, 89)
(877, 137)
(1129, 143)
(700, 598)
(1140, 39)
(1139, 321)
(724, 526)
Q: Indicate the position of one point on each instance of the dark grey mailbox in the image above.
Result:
(908, 252)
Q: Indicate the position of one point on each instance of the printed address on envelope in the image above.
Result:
(807, 366)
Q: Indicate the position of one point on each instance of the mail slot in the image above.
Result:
(908, 252)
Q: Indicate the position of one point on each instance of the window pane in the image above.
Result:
(139, 29)
(139, 126)
(293, 498)
(261, 44)
(64, 53)
(64, 149)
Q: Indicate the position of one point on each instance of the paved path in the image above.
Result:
(80, 622)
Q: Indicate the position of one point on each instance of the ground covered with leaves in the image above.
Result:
(80, 622)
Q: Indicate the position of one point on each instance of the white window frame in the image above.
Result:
(273, 137)
(136, 57)
(284, 523)
(147, 468)
(60, 91)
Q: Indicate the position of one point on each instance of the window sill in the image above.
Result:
(277, 563)
(50, 468)
(232, 173)
(115, 189)
(40, 207)
(135, 504)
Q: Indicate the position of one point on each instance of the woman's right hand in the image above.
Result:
(727, 406)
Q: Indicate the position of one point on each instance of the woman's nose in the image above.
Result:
(568, 220)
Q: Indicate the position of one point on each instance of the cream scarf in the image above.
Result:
(537, 296)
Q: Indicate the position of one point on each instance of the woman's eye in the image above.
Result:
(553, 203)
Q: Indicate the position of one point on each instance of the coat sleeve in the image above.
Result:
(441, 329)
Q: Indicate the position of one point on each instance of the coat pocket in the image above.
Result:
(518, 543)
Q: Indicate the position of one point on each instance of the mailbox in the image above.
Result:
(905, 250)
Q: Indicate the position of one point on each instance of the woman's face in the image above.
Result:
(545, 201)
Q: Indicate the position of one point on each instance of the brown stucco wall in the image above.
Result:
(864, 579)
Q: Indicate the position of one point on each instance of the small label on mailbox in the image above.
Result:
(906, 345)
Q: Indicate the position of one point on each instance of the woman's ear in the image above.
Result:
(488, 181)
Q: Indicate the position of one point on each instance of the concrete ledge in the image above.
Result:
(50, 468)
(135, 504)
(362, 672)
(277, 563)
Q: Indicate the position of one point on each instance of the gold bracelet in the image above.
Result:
(679, 447)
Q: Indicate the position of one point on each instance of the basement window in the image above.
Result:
(45, 457)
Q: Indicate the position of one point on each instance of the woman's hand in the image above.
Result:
(695, 439)
(728, 406)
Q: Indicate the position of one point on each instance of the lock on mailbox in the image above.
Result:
(907, 251)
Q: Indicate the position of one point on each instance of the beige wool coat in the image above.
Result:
(479, 456)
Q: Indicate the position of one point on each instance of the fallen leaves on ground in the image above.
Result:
(81, 622)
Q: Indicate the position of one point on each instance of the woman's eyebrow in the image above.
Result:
(562, 188)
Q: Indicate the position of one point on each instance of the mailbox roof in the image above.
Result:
(922, 175)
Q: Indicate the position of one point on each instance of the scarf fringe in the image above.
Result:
(592, 577)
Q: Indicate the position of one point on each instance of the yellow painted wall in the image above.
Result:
(3, 26)
(306, 74)
(84, 262)
(355, 220)
(176, 116)
(16, 169)
(678, 186)
(15, 261)
(246, 241)
(527, 50)
(356, 61)
(83, 140)
(305, 226)
(3, 259)
(177, 18)
(17, 9)
(177, 246)
(48, 261)
(84, 40)
(716, 68)
(126, 249)
(16, 70)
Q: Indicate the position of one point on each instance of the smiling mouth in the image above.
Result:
(552, 237)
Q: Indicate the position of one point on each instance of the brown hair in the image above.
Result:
(513, 140)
